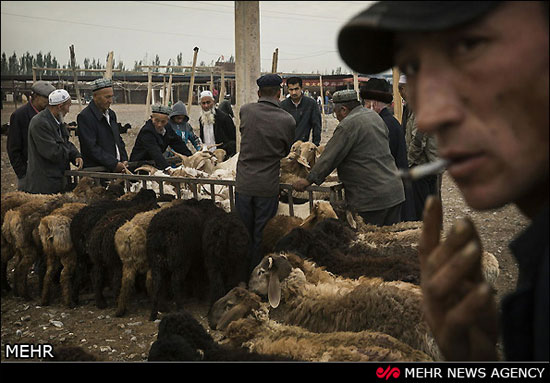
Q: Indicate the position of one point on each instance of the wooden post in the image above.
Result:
(109, 67)
(212, 81)
(33, 76)
(397, 103)
(192, 81)
(164, 91)
(149, 90)
(75, 76)
(356, 82)
(222, 86)
(274, 61)
(322, 103)
(169, 90)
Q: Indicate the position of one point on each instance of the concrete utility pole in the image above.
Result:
(247, 55)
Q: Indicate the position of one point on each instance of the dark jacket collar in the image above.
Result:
(95, 110)
(269, 100)
(528, 247)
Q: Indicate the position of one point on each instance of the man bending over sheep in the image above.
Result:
(267, 133)
(360, 150)
(477, 76)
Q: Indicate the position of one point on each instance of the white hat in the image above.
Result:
(206, 93)
(402, 79)
(58, 96)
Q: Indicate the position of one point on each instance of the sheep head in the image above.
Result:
(321, 211)
(308, 151)
(267, 276)
(296, 147)
(236, 304)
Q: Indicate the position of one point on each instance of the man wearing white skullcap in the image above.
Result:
(19, 128)
(50, 150)
(217, 129)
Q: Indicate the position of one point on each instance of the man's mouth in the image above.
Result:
(462, 165)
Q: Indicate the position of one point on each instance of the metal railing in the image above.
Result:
(99, 173)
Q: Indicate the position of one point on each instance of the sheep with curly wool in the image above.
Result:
(131, 246)
(101, 249)
(393, 308)
(263, 335)
(181, 337)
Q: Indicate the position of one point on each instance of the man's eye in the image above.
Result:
(467, 45)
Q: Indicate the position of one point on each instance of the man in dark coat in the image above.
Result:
(377, 95)
(304, 110)
(50, 150)
(19, 129)
(98, 131)
(267, 134)
(155, 136)
(217, 129)
(477, 79)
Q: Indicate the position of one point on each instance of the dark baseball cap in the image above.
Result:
(366, 42)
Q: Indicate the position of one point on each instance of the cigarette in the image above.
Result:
(423, 170)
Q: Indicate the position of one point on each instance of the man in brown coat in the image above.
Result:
(267, 133)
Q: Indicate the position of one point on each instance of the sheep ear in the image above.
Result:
(274, 290)
(351, 221)
(237, 312)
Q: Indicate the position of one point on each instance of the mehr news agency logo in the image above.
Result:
(450, 372)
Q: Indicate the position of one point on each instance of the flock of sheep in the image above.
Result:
(327, 289)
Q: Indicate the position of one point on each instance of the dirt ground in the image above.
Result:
(129, 338)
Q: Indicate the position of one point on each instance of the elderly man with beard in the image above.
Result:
(217, 129)
(50, 150)
(477, 79)
(155, 136)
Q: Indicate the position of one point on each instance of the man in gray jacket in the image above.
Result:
(360, 150)
(267, 133)
(50, 150)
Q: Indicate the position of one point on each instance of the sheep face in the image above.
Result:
(267, 276)
(236, 304)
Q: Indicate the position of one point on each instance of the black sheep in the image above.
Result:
(81, 226)
(174, 250)
(181, 336)
(101, 249)
(225, 242)
(322, 246)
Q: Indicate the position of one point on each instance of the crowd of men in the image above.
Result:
(475, 93)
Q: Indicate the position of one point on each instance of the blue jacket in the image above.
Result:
(98, 138)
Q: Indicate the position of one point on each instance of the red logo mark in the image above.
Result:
(388, 372)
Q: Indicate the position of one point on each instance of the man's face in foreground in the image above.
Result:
(482, 90)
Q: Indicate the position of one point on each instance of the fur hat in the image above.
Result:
(376, 89)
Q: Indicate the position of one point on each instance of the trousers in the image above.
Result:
(255, 212)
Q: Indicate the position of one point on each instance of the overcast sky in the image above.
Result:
(304, 31)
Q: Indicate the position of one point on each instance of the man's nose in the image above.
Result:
(437, 103)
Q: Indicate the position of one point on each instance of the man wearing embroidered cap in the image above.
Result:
(98, 130)
(360, 151)
(217, 129)
(19, 129)
(155, 136)
(267, 133)
(50, 150)
(477, 79)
